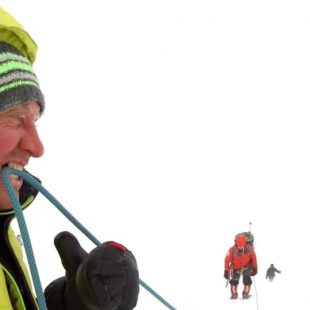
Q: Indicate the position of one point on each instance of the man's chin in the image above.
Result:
(5, 202)
(6, 207)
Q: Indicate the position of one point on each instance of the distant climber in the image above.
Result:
(271, 272)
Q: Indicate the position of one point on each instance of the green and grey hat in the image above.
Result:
(18, 82)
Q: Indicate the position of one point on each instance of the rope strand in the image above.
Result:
(25, 235)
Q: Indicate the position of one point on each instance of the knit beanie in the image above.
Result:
(18, 82)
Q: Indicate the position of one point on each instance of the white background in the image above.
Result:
(169, 127)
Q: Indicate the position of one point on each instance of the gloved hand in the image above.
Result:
(107, 278)
(253, 272)
(226, 275)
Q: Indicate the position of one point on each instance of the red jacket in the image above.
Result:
(237, 260)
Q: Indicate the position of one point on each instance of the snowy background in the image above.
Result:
(170, 126)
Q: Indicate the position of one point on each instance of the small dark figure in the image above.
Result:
(271, 272)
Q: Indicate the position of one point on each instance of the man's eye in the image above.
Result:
(12, 121)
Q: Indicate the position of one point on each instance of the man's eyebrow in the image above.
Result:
(18, 115)
(13, 113)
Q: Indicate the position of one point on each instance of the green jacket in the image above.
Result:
(16, 292)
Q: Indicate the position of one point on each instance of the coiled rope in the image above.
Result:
(25, 235)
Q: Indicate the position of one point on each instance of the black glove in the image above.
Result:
(226, 275)
(253, 272)
(107, 278)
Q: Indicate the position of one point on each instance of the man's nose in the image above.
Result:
(31, 141)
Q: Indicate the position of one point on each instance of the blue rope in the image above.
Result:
(25, 235)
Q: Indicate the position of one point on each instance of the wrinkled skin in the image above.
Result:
(19, 142)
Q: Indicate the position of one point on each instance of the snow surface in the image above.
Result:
(169, 126)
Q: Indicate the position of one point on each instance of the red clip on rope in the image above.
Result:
(117, 245)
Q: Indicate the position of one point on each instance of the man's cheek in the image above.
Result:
(5, 202)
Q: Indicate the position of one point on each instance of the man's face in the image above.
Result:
(19, 141)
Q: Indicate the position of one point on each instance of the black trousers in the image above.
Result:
(246, 276)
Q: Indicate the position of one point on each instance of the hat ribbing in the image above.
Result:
(18, 82)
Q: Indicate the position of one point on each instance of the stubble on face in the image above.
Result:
(12, 130)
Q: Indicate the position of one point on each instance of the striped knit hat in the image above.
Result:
(18, 82)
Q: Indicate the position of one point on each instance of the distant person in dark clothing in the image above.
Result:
(271, 272)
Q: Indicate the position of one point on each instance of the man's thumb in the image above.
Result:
(70, 252)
